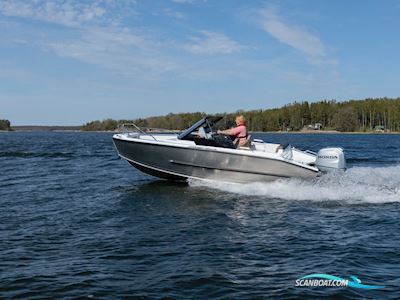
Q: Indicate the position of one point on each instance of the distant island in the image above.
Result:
(369, 115)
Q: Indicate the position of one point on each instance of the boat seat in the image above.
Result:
(281, 147)
(286, 151)
(247, 145)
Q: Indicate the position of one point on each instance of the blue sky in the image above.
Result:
(69, 62)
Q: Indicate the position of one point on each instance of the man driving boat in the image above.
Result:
(239, 133)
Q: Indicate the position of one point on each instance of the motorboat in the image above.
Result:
(200, 152)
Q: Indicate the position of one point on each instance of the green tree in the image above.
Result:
(345, 119)
(5, 125)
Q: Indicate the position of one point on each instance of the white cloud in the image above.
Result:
(68, 13)
(174, 14)
(295, 36)
(114, 48)
(212, 43)
(186, 1)
(93, 37)
(189, 2)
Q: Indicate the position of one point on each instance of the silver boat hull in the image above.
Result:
(177, 163)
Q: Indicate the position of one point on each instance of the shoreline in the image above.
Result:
(252, 132)
(325, 132)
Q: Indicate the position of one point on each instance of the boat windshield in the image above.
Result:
(205, 124)
(202, 134)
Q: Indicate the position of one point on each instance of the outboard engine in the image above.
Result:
(330, 158)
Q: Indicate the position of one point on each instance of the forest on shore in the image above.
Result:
(349, 116)
(5, 125)
(368, 115)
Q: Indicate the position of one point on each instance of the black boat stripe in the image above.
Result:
(158, 169)
(224, 169)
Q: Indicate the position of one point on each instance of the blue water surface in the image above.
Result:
(77, 222)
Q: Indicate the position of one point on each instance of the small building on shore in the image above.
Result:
(379, 128)
(316, 126)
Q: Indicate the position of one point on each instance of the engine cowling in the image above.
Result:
(331, 159)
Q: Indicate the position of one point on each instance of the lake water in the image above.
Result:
(77, 222)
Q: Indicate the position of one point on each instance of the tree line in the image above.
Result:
(353, 115)
(5, 125)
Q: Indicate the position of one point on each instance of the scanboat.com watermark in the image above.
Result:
(327, 280)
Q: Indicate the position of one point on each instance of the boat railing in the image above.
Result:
(310, 152)
(127, 128)
(259, 141)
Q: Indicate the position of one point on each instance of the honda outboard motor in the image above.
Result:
(330, 158)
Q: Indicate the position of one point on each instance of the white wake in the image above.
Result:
(358, 184)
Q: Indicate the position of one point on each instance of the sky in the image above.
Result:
(69, 62)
